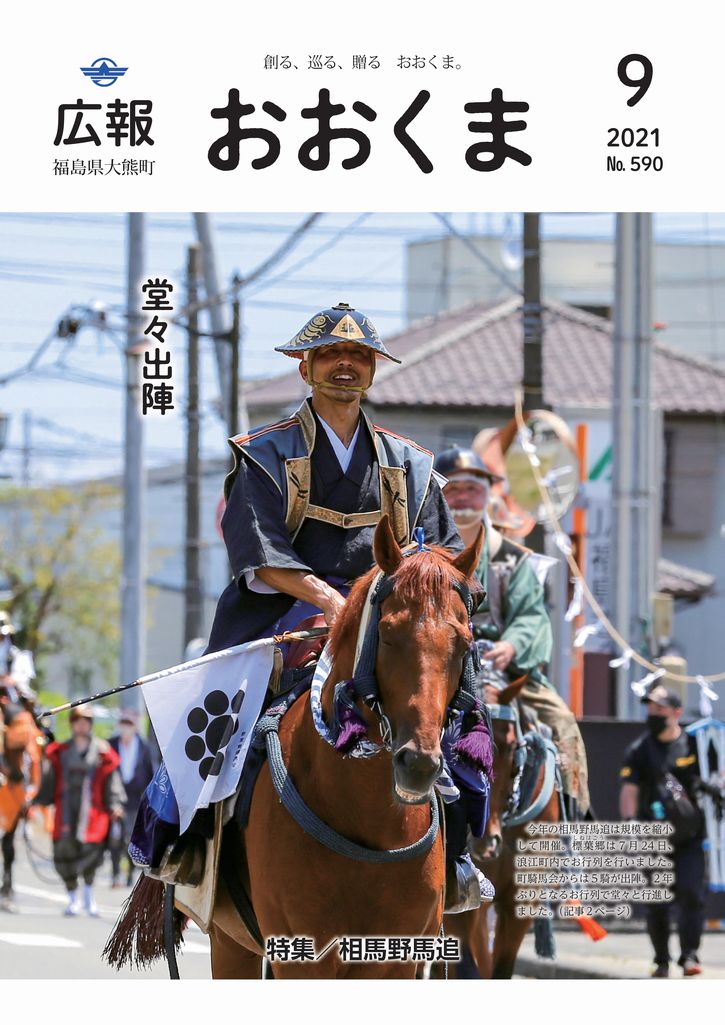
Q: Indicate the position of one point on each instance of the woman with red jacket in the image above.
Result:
(85, 786)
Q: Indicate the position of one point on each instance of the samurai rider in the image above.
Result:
(21, 748)
(302, 503)
(513, 616)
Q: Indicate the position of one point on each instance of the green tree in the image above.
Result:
(63, 572)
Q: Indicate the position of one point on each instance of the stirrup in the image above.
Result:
(463, 889)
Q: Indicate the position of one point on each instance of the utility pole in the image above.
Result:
(229, 380)
(133, 575)
(193, 598)
(541, 538)
(27, 447)
(533, 379)
(216, 309)
(533, 382)
(632, 443)
(235, 341)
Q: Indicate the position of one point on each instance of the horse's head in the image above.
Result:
(506, 743)
(423, 634)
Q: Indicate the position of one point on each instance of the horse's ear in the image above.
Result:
(385, 548)
(510, 693)
(469, 558)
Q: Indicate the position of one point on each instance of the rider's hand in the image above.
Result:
(332, 606)
(490, 695)
(501, 654)
(116, 814)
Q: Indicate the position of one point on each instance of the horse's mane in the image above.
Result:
(422, 578)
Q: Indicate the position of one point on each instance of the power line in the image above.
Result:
(313, 255)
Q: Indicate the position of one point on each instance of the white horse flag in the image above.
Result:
(203, 713)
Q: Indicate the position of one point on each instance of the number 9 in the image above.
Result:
(642, 83)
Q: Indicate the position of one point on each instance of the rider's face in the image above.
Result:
(467, 496)
(345, 363)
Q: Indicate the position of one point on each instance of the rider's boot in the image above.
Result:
(466, 886)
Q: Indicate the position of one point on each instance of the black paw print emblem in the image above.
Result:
(212, 727)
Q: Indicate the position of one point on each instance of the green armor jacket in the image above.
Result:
(514, 609)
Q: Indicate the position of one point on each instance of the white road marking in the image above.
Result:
(37, 939)
(34, 891)
(57, 898)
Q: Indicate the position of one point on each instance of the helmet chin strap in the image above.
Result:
(327, 386)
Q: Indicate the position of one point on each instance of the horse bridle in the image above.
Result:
(543, 751)
(363, 684)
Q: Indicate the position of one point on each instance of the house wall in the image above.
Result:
(688, 295)
(434, 429)
(699, 627)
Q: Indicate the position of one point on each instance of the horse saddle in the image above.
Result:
(302, 653)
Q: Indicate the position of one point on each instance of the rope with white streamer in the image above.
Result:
(563, 543)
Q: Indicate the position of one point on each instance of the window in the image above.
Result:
(688, 490)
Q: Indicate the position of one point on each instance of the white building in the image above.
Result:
(688, 282)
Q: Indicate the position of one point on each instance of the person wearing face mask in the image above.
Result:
(513, 616)
(663, 752)
(136, 771)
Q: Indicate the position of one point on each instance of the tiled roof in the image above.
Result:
(473, 357)
(683, 582)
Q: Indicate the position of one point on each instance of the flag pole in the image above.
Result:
(262, 642)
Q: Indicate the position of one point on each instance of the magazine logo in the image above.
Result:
(104, 71)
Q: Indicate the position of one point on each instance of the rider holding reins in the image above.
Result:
(302, 503)
(513, 616)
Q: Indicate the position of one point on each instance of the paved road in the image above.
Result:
(39, 942)
(620, 955)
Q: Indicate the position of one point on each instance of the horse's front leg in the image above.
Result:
(510, 932)
(479, 941)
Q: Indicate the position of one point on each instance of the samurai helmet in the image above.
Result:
(340, 323)
(464, 462)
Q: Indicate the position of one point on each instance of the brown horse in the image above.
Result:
(300, 888)
(495, 853)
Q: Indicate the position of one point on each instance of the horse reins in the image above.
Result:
(364, 682)
(364, 685)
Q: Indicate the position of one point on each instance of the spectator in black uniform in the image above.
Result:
(650, 763)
